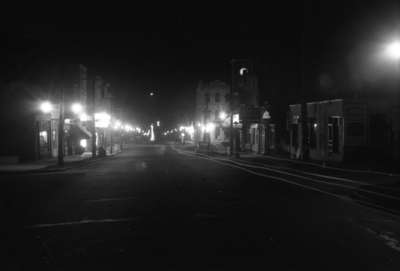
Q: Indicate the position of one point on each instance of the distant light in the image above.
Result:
(43, 134)
(158, 123)
(235, 118)
(67, 121)
(182, 134)
(128, 128)
(190, 130)
(199, 124)
(209, 127)
(83, 117)
(76, 108)
(46, 107)
(393, 50)
(83, 143)
(181, 128)
(138, 129)
(242, 71)
(222, 115)
(315, 125)
(102, 120)
(117, 125)
(151, 93)
(152, 138)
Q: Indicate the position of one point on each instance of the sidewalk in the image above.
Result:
(49, 165)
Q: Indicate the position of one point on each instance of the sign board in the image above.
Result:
(266, 115)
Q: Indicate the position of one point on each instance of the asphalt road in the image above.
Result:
(152, 207)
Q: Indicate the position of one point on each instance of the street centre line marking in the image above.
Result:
(81, 222)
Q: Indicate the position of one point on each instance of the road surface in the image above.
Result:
(157, 207)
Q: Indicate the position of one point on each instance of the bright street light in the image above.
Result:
(393, 50)
(222, 115)
(76, 108)
(46, 107)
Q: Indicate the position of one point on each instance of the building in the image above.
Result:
(88, 96)
(337, 130)
(212, 120)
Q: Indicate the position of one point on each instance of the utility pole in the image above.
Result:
(92, 112)
(231, 110)
(61, 130)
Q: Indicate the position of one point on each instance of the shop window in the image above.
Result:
(334, 134)
(43, 137)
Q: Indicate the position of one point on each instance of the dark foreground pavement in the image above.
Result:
(151, 207)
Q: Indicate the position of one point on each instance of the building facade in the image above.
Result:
(211, 114)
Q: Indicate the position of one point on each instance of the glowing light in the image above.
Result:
(46, 107)
(222, 115)
(128, 128)
(393, 50)
(315, 125)
(209, 127)
(83, 143)
(235, 118)
(76, 108)
(102, 120)
(190, 131)
(242, 71)
(152, 137)
(198, 124)
(83, 117)
(181, 128)
(182, 134)
(158, 123)
(67, 121)
(151, 93)
(138, 130)
(43, 134)
(117, 125)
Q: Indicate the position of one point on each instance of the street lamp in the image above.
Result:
(222, 115)
(76, 108)
(393, 50)
(46, 107)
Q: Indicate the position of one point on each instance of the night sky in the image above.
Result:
(170, 49)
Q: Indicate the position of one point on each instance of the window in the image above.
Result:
(217, 97)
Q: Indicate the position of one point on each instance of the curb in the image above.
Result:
(54, 168)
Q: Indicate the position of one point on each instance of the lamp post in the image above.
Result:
(60, 157)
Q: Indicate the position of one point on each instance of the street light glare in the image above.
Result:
(222, 115)
(393, 50)
(46, 107)
(76, 108)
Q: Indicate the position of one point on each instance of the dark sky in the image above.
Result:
(169, 49)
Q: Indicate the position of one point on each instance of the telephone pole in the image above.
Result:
(61, 130)
(92, 100)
